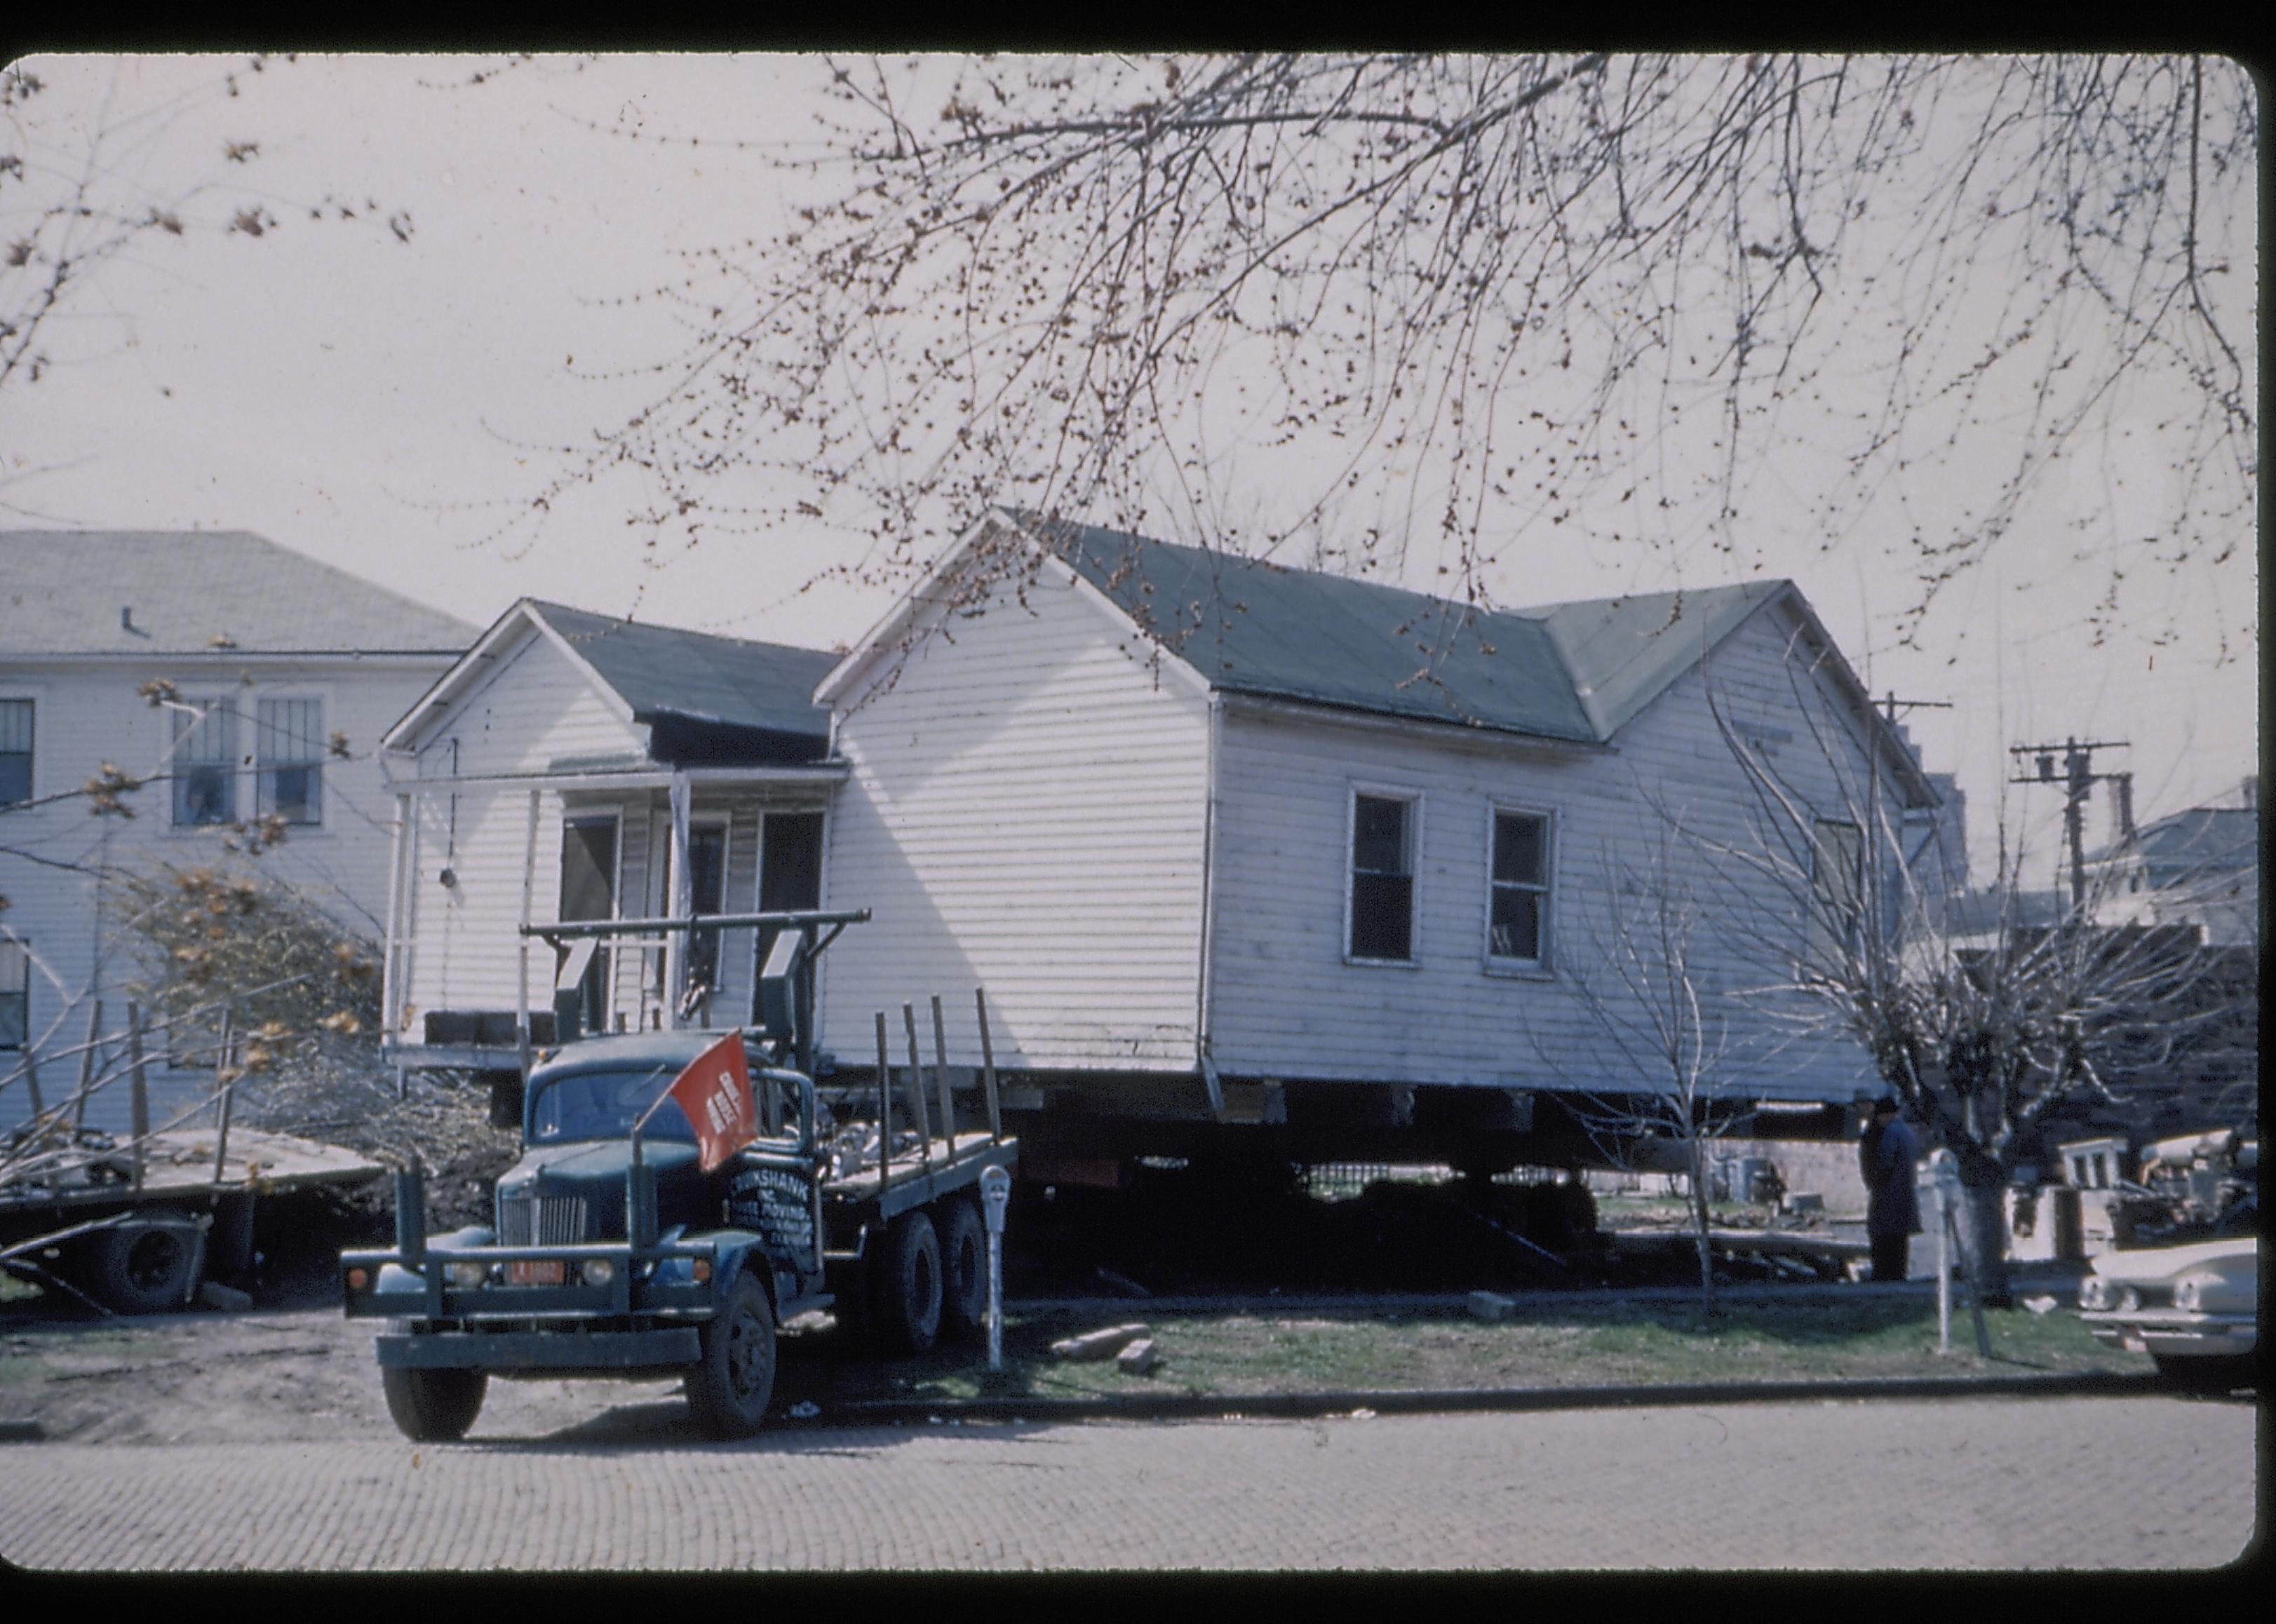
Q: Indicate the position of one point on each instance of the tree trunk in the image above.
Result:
(1700, 1220)
(1984, 1240)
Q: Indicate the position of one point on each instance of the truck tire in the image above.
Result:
(141, 1268)
(731, 1386)
(964, 1268)
(434, 1407)
(909, 1292)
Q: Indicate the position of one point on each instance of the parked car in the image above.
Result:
(2194, 1309)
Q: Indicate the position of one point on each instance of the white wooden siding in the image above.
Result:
(1286, 1004)
(1025, 813)
(90, 714)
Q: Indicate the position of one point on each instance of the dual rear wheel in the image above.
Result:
(934, 1279)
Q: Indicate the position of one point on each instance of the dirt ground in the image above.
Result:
(294, 1367)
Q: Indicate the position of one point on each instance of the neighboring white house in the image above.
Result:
(568, 767)
(282, 673)
(2200, 867)
(1224, 839)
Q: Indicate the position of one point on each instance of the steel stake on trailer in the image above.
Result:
(916, 1084)
(885, 1105)
(988, 1066)
(138, 1090)
(940, 1079)
(87, 1068)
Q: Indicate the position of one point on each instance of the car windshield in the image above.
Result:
(605, 1105)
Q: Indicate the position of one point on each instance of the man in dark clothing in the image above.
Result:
(1887, 1156)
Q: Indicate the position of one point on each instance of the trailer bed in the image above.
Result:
(179, 1165)
(909, 1182)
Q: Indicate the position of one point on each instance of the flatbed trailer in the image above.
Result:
(129, 1235)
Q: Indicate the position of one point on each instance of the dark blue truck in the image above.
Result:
(614, 1254)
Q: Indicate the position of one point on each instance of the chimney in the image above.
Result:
(2123, 783)
(2252, 793)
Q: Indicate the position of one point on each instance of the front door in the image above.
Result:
(588, 891)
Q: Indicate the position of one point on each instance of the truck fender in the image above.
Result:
(736, 1250)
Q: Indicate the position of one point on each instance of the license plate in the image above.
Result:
(537, 1272)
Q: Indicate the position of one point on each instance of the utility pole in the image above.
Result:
(2078, 779)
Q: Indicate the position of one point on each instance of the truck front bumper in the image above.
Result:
(550, 1351)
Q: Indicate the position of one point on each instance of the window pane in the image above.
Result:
(1382, 917)
(205, 763)
(1378, 835)
(1516, 924)
(15, 997)
(15, 750)
(289, 745)
(1518, 848)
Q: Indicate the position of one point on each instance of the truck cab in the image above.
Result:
(611, 1252)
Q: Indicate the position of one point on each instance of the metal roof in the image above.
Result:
(705, 698)
(198, 591)
(1574, 671)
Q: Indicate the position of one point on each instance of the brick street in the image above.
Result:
(1983, 1484)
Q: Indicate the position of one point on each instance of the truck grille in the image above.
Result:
(541, 1221)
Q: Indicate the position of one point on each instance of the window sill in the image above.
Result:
(1361, 963)
(1518, 969)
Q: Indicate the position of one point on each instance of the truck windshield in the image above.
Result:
(605, 1105)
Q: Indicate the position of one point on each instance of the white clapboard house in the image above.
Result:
(575, 767)
(242, 681)
(1231, 843)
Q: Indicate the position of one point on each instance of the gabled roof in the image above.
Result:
(1577, 671)
(64, 591)
(2202, 840)
(1570, 672)
(705, 699)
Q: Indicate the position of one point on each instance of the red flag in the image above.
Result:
(715, 1094)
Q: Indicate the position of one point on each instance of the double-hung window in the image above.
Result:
(15, 995)
(15, 751)
(1517, 902)
(205, 763)
(1836, 890)
(1382, 906)
(290, 751)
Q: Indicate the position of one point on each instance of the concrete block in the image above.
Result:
(1805, 1201)
(1491, 1306)
(1138, 1359)
(213, 1294)
(1099, 1344)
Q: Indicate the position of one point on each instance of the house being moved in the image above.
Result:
(1228, 842)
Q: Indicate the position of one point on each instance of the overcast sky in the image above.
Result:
(375, 392)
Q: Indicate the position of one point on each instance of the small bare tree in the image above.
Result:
(1650, 997)
(1986, 1026)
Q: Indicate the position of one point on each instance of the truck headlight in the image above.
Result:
(599, 1271)
(463, 1275)
(2094, 1293)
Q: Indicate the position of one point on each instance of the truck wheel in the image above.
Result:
(964, 1264)
(730, 1387)
(909, 1294)
(434, 1407)
(141, 1268)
